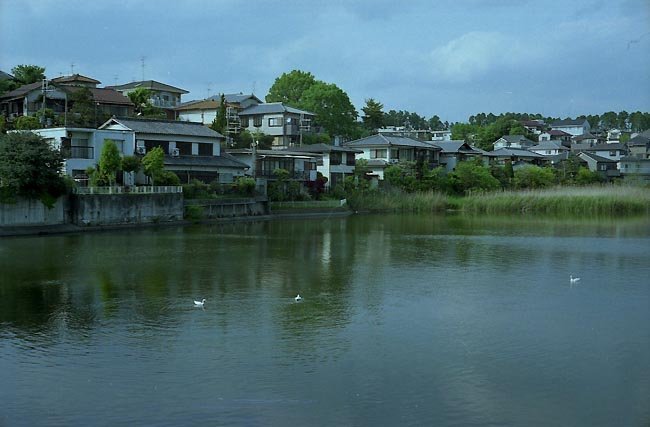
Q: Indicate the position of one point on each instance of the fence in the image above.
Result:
(159, 189)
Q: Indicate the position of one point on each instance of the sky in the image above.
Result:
(451, 58)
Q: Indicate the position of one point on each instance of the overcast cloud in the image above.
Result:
(450, 58)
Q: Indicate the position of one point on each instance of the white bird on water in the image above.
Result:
(298, 298)
(199, 303)
(573, 279)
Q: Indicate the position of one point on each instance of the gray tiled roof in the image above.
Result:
(597, 158)
(149, 84)
(548, 145)
(222, 161)
(518, 152)
(166, 127)
(326, 148)
(379, 140)
(517, 139)
(272, 108)
(455, 146)
(606, 147)
(5, 76)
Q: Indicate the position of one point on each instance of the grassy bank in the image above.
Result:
(392, 201)
(601, 200)
(605, 200)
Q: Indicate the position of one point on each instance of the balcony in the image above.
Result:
(295, 175)
(78, 152)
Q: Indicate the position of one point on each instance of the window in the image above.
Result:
(257, 121)
(335, 159)
(612, 152)
(205, 149)
(548, 151)
(350, 161)
(244, 122)
(378, 153)
(394, 153)
(275, 121)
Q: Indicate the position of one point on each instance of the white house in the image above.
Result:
(381, 151)
(192, 151)
(549, 148)
(571, 126)
(285, 124)
(608, 151)
(334, 162)
(513, 141)
(82, 147)
(205, 110)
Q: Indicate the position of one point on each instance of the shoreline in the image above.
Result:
(59, 229)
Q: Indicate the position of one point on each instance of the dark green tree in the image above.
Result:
(290, 87)
(373, 117)
(141, 98)
(27, 74)
(29, 167)
(332, 107)
(153, 164)
(84, 111)
(220, 120)
(110, 161)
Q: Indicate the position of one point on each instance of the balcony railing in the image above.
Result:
(297, 175)
(145, 189)
(78, 152)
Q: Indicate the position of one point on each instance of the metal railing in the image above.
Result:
(145, 189)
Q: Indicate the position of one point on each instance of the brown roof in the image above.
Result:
(206, 104)
(75, 78)
(103, 95)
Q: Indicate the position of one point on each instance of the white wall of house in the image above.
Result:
(610, 154)
(198, 116)
(574, 130)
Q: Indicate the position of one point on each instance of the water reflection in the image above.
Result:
(436, 318)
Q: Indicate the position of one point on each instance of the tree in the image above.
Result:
(470, 175)
(373, 118)
(534, 177)
(110, 161)
(84, 111)
(609, 120)
(436, 124)
(27, 74)
(141, 97)
(27, 123)
(154, 163)
(29, 167)
(219, 123)
(587, 177)
(290, 87)
(332, 107)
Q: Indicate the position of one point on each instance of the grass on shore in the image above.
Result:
(598, 200)
(601, 200)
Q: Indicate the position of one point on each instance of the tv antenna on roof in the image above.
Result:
(142, 64)
(72, 68)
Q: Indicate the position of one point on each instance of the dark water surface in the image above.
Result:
(406, 320)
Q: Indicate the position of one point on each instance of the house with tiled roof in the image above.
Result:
(556, 135)
(28, 99)
(572, 126)
(635, 168)
(639, 145)
(513, 141)
(519, 157)
(284, 123)
(608, 151)
(455, 151)
(164, 96)
(192, 150)
(205, 110)
(549, 148)
(605, 167)
(334, 162)
(382, 151)
(533, 126)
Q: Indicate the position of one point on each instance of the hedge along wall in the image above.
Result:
(106, 209)
(31, 212)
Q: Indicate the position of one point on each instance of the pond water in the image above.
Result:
(406, 320)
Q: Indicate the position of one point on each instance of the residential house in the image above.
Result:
(636, 168)
(518, 156)
(163, 96)
(453, 152)
(556, 135)
(408, 132)
(285, 124)
(639, 145)
(205, 110)
(572, 126)
(55, 94)
(608, 151)
(534, 126)
(381, 151)
(580, 142)
(334, 162)
(440, 135)
(605, 167)
(513, 141)
(549, 148)
(82, 147)
(263, 163)
(192, 151)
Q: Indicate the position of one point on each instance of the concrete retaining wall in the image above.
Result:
(105, 209)
(26, 212)
(230, 208)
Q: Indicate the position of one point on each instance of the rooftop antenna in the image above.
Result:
(142, 62)
(209, 89)
(115, 80)
(253, 91)
(72, 68)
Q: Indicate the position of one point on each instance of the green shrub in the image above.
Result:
(194, 213)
